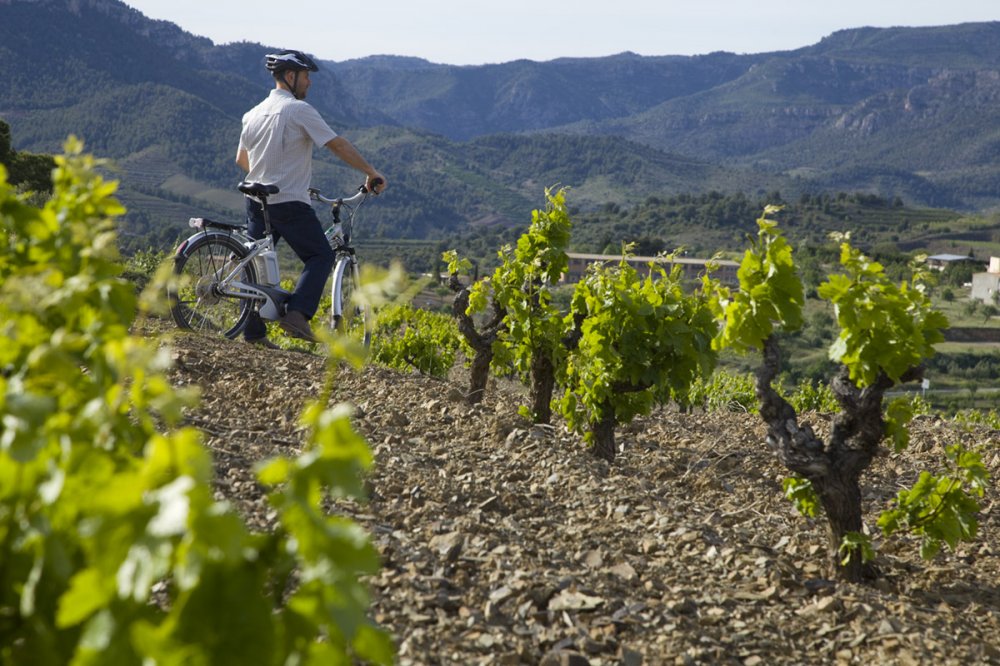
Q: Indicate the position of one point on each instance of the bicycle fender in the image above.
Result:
(206, 233)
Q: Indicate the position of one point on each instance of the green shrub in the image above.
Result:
(410, 338)
(811, 396)
(725, 391)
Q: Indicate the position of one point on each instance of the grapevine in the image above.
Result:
(887, 330)
(524, 321)
(642, 341)
(114, 549)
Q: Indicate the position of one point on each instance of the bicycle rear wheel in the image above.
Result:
(197, 304)
(349, 315)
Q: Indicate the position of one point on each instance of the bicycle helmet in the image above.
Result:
(289, 61)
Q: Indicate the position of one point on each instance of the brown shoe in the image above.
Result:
(295, 324)
(262, 342)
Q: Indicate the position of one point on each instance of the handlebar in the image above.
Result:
(362, 194)
(316, 195)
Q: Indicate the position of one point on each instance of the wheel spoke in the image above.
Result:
(199, 304)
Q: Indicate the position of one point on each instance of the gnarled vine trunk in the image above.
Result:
(603, 430)
(603, 433)
(543, 382)
(481, 341)
(834, 468)
(479, 374)
(840, 495)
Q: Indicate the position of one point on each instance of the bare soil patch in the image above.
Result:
(504, 543)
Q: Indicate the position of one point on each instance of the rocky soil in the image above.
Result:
(504, 543)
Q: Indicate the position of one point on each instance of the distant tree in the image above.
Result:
(648, 246)
(26, 171)
(959, 273)
(6, 152)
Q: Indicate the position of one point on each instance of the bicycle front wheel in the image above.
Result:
(197, 303)
(349, 314)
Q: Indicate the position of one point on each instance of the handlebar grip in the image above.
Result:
(374, 185)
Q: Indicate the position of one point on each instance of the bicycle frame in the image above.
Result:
(226, 283)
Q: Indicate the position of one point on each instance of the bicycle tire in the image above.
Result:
(348, 315)
(198, 305)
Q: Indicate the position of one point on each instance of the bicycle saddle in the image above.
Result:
(259, 190)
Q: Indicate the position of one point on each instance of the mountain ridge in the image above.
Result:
(899, 112)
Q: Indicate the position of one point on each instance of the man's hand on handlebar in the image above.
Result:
(375, 183)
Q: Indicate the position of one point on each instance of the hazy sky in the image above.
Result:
(471, 32)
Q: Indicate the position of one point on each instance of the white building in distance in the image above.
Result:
(986, 286)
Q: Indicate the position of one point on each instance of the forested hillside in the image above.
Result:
(895, 113)
(709, 222)
(465, 102)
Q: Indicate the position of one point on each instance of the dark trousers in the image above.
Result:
(297, 223)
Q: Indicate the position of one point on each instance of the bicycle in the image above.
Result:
(225, 274)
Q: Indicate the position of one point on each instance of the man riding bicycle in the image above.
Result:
(275, 148)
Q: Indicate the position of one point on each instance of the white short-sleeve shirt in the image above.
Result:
(279, 135)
